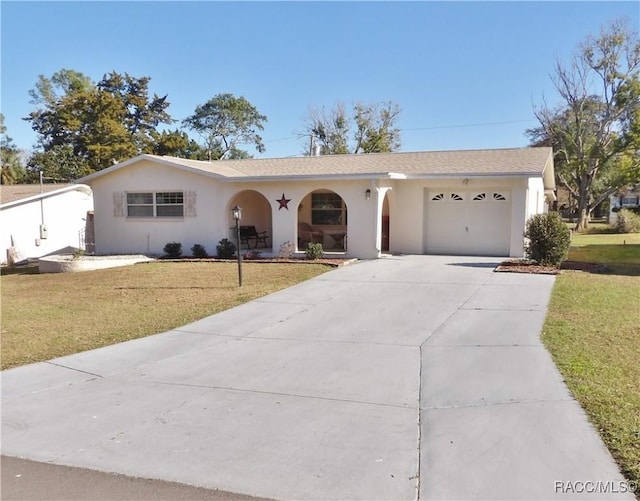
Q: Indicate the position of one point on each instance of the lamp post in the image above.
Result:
(237, 215)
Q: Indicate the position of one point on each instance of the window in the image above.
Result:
(160, 204)
(328, 208)
(170, 204)
(439, 196)
(499, 196)
(140, 204)
(480, 197)
(456, 197)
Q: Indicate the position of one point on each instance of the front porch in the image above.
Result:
(321, 218)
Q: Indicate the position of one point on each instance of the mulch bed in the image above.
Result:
(523, 266)
(508, 266)
(328, 261)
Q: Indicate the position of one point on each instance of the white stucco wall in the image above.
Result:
(407, 226)
(535, 196)
(534, 204)
(63, 212)
(119, 234)
(213, 220)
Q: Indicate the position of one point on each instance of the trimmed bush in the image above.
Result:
(548, 239)
(199, 251)
(315, 251)
(173, 249)
(225, 249)
(286, 250)
(251, 254)
(628, 222)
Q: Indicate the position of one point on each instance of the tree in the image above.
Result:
(369, 129)
(12, 170)
(177, 143)
(226, 122)
(102, 123)
(48, 91)
(595, 131)
(57, 164)
(142, 115)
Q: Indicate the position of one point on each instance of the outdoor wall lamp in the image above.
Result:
(237, 216)
(367, 194)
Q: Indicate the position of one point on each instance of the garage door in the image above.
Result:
(464, 222)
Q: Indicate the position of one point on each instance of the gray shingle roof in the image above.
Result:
(496, 162)
(13, 192)
(414, 164)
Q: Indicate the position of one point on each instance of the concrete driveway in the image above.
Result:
(396, 379)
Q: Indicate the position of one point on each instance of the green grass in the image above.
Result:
(593, 333)
(582, 239)
(50, 315)
(619, 252)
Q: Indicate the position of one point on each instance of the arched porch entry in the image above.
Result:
(322, 218)
(385, 224)
(256, 212)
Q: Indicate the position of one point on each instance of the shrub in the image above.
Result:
(173, 249)
(225, 249)
(199, 251)
(635, 210)
(315, 251)
(628, 222)
(286, 250)
(548, 239)
(251, 254)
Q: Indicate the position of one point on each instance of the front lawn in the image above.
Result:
(46, 316)
(582, 239)
(593, 333)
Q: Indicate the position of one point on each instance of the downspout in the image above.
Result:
(43, 227)
(41, 199)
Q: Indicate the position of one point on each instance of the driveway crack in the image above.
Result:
(74, 369)
(278, 393)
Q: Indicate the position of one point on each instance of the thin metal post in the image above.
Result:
(239, 253)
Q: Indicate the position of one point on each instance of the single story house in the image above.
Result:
(473, 202)
(37, 220)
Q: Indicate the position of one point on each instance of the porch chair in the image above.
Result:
(307, 234)
(249, 233)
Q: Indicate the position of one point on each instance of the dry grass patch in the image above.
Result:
(46, 316)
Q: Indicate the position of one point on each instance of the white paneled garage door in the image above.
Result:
(466, 222)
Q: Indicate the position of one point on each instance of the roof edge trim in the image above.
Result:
(40, 196)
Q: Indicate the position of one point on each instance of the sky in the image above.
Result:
(466, 75)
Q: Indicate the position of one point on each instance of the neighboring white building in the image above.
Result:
(39, 220)
(626, 198)
(448, 202)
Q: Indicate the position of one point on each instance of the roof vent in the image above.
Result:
(314, 147)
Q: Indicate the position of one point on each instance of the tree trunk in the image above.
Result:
(583, 220)
(584, 210)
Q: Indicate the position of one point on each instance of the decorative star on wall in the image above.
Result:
(284, 202)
